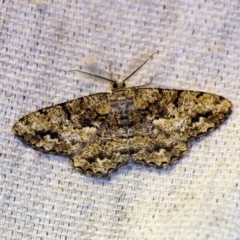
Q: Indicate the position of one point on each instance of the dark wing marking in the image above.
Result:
(64, 128)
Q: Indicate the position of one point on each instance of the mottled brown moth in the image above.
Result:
(104, 131)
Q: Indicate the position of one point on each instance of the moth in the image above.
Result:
(104, 131)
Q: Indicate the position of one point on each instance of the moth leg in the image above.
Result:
(158, 151)
(102, 157)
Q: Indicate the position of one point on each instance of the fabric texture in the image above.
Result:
(42, 196)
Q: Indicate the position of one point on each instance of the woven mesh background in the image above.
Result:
(42, 197)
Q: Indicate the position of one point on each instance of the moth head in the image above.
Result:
(118, 84)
